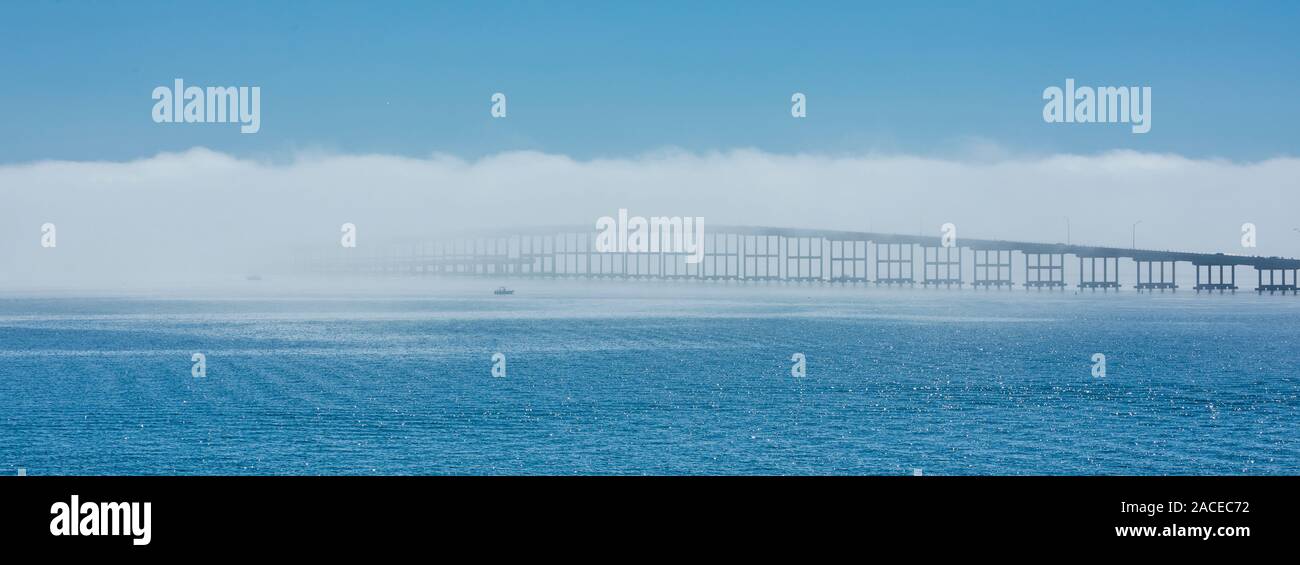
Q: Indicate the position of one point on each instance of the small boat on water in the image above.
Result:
(503, 291)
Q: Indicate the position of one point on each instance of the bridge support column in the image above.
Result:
(941, 266)
(602, 263)
(583, 247)
(992, 268)
(1094, 276)
(724, 257)
(1277, 280)
(848, 261)
(436, 264)
(1151, 277)
(527, 256)
(803, 258)
(893, 266)
(1207, 282)
(1044, 270)
(762, 257)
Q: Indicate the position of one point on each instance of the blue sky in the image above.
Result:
(616, 78)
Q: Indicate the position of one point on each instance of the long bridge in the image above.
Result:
(748, 253)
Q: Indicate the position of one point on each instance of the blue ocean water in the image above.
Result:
(652, 379)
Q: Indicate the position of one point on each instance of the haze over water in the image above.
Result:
(648, 378)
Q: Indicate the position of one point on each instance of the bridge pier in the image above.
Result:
(1109, 273)
(587, 249)
(658, 258)
(1209, 285)
(762, 258)
(530, 256)
(848, 260)
(495, 258)
(1156, 279)
(806, 256)
(893, 267)
(722, 257)
(638, 265)
(564, 253)
(1276, 283)
(941, 266)
(446, 255)
(602, 264)
(1000, 264)
(1044, 270)
(451, 257)
(550, 244)
(474, 264)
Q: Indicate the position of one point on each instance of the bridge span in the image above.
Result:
(750, 253)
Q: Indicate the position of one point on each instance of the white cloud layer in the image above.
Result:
(201, 212)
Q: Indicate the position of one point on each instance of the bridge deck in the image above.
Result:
(813, 255)
(934, 241)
